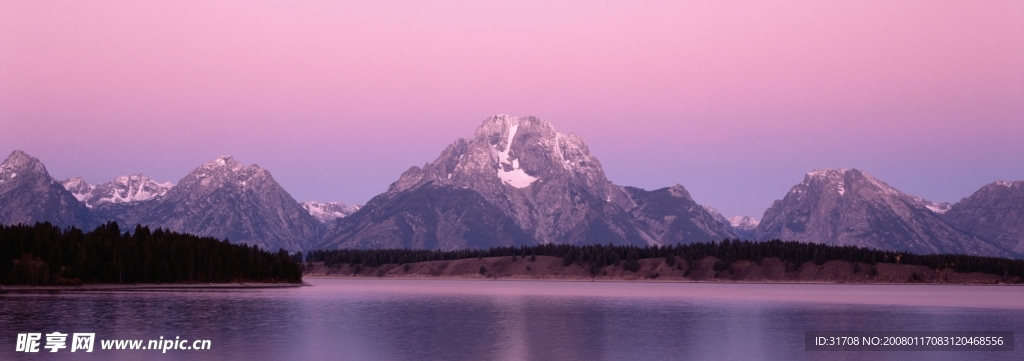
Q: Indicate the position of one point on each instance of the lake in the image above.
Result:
(386, 319)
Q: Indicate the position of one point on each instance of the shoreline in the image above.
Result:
(706, 270)
(147, 287)
(606, 280)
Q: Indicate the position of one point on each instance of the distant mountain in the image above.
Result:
(123, 189)
(327, 212)
(994, 213)
(743, 226)
(850, 207)
(28, 194)
(226, 199)
(79, 188)
(547, 183)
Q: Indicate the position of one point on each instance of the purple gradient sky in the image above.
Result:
(734, 100)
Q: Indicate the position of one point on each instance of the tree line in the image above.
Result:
(598, 256)
(44, 254)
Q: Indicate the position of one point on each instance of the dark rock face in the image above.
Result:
(546, 182)
(670, 216)
(994, 213)
(28, 194)
(849, 207)
(225, 199)
(430, 216)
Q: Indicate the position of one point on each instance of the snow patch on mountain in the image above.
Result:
(939, 208)
(123, 189)
(79, 188)
(743, 222)
(327, 212)
(831, 176)
(515, 177)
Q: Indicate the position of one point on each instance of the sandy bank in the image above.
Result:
(770, 270)
(147, 287)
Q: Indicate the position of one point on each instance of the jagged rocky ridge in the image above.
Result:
(123, 189)
(850, 207)
(516, 182)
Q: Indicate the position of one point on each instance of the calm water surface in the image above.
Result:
(346, 319)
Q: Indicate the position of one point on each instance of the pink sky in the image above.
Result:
(734, 100)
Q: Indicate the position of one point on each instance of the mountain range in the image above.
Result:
(516, 182)
(123, 189)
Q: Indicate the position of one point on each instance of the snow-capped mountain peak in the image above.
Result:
(840, 181)
(21, 162)
(1005, 183)
(327, 212)
(124, 189)
(222, 162)
(521, 170)
(78, 187)
(746, 223)
(226, 171)
(835, 177)
(131, 188)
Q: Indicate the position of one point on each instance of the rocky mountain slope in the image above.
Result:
(28, 194)
(433, 216)
(716, 214)
(994, 213)
(850, 207)
(670, 216)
